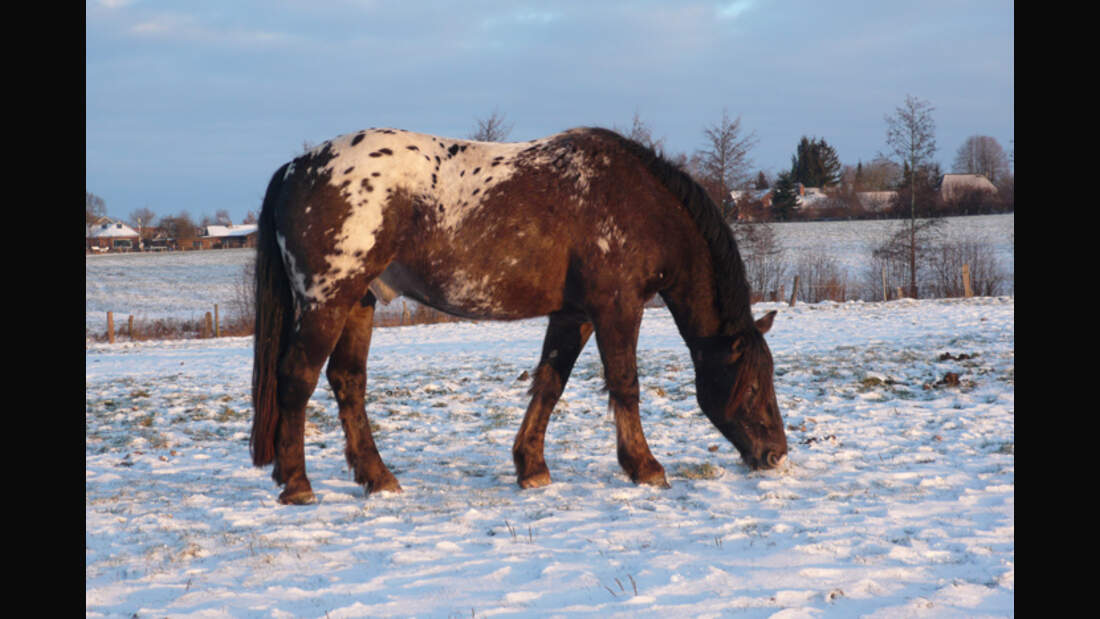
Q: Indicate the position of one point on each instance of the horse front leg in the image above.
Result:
(617, 338)
(347, 374)
(566, 336)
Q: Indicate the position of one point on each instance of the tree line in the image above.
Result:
(723, 164)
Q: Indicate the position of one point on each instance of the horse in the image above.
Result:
(584, 227)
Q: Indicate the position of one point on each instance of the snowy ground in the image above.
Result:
(899, 499)
(186, 285)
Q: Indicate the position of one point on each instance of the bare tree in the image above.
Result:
(911, 137)
(221, 217)
(94, 208)
(724, 163)
(492, 129)
(640, 132)
(981, 154)
(142, 220)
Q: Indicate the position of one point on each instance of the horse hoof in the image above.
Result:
(654, 477)
(387, 485)
(304, 497)
(658, 481)
(537, 480)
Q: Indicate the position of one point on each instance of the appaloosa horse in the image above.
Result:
(584, 227)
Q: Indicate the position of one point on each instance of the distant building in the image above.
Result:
(107, 234)
(226, 237)
(955, 186)
(808, 197)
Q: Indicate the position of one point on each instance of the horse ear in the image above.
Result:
(765, 323)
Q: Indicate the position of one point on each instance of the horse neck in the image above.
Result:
(695, 304)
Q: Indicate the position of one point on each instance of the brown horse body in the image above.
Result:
(583, 226)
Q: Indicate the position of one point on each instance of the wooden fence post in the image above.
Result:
(111, 327)
(899, 293)
(884, 296)
(794, 291)
(966, 282)
(217, 326)
(130, 326)
(404, 313)
(206, 326)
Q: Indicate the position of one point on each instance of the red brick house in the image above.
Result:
(107, 235)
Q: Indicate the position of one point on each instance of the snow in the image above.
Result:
(186, 285)
(898, 499)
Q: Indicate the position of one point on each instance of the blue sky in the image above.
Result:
(191, 105)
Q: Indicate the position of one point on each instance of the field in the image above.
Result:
(898, 499)
(186, 285)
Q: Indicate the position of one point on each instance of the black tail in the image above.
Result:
(273, 307)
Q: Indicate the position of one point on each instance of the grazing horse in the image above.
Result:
(583, 226)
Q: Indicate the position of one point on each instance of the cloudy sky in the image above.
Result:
(192, 104)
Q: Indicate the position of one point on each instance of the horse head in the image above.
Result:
(733, 378)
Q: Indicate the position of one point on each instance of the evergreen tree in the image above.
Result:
(784, 197)
(815, 163)
(761, 180)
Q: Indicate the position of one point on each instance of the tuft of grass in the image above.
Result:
(705, 470)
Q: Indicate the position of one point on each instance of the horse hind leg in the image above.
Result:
(347, 374)
(298, 371)
(566, 336)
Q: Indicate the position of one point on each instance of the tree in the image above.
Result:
(911, 137)
(815, 163)
(761, 181)
(981, 154)
(492, 129)
(250, 218)
(784, 197)
(142, 220)
(181, 228)
(724, 163)
(94, 208)
(640, 132)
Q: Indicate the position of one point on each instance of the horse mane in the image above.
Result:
(731, 285)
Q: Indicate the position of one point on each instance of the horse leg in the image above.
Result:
(347, 374)
(617, 338)
(566, 336)
(299, 369)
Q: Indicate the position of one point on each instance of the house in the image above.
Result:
(107, 234)
(955, 186)
(229, 236)
(763, 196)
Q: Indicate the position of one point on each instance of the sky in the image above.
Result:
(191, 105)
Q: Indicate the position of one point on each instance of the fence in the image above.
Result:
(837, 288)
(211, 324)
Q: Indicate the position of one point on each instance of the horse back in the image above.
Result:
(478, 229)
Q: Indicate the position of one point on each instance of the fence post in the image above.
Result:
(130, 326)
(884, 296)
(111, 327)
(217, 326)
(899, 293)
(206, 330)
(794, 291)
(966, 282)
(404, 313)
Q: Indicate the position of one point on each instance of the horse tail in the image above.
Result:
(273, 307)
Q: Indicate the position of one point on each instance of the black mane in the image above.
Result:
(732, 289)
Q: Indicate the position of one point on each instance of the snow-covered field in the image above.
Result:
(898, 499)
(186, 285)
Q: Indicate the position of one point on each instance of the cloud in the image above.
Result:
(734, 9)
